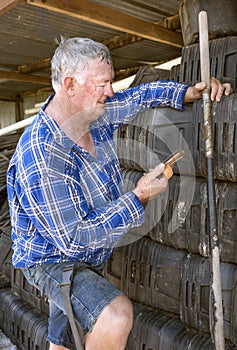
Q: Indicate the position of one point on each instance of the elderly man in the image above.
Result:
(66, 195)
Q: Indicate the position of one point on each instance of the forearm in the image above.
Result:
(105, 225)
(125, 105)
(71, 232)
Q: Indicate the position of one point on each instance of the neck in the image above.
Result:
(73, 123)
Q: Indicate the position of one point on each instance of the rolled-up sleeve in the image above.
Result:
(125, 105)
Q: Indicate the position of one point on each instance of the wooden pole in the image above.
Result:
(216, 308)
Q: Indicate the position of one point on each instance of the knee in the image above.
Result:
(113, 326)
(120, 313)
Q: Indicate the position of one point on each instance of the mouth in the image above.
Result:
(101, 105)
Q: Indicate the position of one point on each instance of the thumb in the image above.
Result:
(156, 171)
(200, 86)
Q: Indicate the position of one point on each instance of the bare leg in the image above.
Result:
(57, 347)
(112, 327)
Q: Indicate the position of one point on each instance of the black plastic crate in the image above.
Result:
(22, 323)
(4, 207)
(6, 256)
(153, 136)
(175, 281)
(19, 315)
(172, 227)
(155, 329)
(27, 292)
(175, 73)
(12, 308)
(223, 59)
(185, 222)
(137, 271)
(152, 274)
(195, 295)
(147, 74)
(37, 333)
(113, 267)
(166, 277)
(224, 116)
(154, 208)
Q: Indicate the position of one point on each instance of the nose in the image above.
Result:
(109, 90)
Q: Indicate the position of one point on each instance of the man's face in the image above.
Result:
(91, 95)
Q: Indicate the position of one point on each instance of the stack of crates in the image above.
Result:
(164, 266)
(22, 322)
(23, 310)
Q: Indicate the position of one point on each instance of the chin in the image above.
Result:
(100, 109)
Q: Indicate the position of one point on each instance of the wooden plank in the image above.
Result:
(35, 79)
(6, 5)
(10, 99)
(101, 15)
(121, 40)
(35, 66)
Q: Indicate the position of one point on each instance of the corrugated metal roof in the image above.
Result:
(28, 33)
(143, 52)
(150, 10)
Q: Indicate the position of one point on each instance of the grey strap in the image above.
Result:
(65, 289)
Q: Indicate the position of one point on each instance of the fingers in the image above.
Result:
(158, 178)
(218, 89)
(228, 89)
(150, 185)
(199, 87)
(160, 169)
(168, 172)
(154, 173)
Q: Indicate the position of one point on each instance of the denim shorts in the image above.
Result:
(90, 293)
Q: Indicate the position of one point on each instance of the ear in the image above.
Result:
(69, 84)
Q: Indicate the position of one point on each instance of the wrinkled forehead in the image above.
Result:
(99, 68)
(100, 62)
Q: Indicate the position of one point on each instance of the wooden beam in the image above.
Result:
(6, 5)
(35, 79)
(101, 15)
(35, 66)
(10, 99)
(172, 22)
(121, 40)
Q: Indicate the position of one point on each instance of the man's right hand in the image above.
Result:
(151, 184)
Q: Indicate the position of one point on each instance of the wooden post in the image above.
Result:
(216, 308)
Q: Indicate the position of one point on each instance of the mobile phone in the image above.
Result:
(174, 157)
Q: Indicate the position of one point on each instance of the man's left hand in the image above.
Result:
(217, 91)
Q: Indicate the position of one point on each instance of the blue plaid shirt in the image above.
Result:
(67, 205)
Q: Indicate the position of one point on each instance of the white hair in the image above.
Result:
(73, 55)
